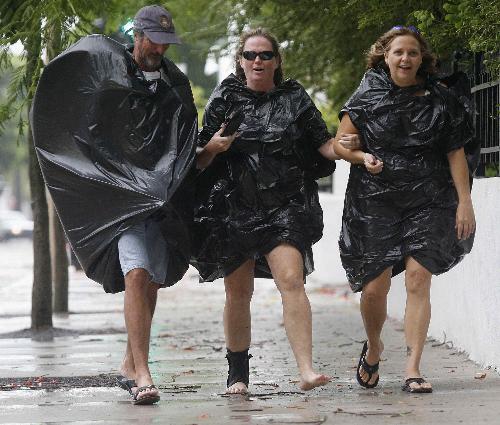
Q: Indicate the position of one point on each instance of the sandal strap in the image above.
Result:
(125, 383)
(368, 368)
(418, 381)
(238, 362)
(408, 388)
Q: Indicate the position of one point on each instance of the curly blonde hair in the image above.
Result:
(258, 32)
(376, 55)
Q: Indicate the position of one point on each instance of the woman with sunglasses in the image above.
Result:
(408, 204)
(258, 212)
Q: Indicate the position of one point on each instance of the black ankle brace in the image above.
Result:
(238, 367)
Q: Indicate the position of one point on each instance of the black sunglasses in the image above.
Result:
(250, 55)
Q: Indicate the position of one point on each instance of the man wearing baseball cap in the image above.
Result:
(121, 148)
(153, 33)
(142, 248)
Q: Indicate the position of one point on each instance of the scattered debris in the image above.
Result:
(179, 388)
(54, 383)
(267, 383)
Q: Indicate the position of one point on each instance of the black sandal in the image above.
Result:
(238, 367)
(125, 383)
(368, 368)
(407, 388)
(148, 399)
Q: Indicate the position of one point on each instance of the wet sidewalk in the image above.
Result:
(188, 364)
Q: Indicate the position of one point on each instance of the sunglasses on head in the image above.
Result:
(266, 55)
(410, 27)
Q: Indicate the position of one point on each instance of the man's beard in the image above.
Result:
(150, 62)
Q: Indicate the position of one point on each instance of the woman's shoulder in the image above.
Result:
(374, 86)
(227, 86)
(375, 79)
(454, 96)
(292, 87)
(295, 92)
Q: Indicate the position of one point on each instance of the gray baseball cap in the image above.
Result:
(156, 23)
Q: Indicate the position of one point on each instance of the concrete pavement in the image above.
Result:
(188, 364)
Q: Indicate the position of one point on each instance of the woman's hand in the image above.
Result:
(350, 141)
(372, 164)
(465, 219)
(218, 143)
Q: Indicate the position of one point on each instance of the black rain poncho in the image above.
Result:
(409, 208)
(115, 149)
(261, 192)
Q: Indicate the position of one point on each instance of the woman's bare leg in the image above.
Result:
(237, 318)
(286, 265)
(417, 316)
(373, 309)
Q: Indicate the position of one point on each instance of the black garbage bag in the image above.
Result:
(409, 208)
(261, 192)
(115, 149)
(459, 84)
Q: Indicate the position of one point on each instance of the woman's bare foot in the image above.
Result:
(372, 357)
(237, 388)
(312, 380)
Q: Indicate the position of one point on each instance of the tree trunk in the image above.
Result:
(41, 296)
(59, 260)
(59, 257)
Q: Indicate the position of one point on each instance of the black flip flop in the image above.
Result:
(148, 399)
(125, 383)
(420, 390)
(368, 368)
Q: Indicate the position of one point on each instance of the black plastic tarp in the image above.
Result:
(114, 150)
(261, 192)
(409, 208)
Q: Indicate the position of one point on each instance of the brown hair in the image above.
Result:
(376, 55)
(258, 32)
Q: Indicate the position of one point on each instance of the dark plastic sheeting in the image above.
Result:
(261, 192)
(409, 208)
(114, 150)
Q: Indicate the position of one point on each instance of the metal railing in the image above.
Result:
(486, 92)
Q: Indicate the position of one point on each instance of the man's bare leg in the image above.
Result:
(138, 318)
(127, 368)
(237, 316)
(286, 264)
